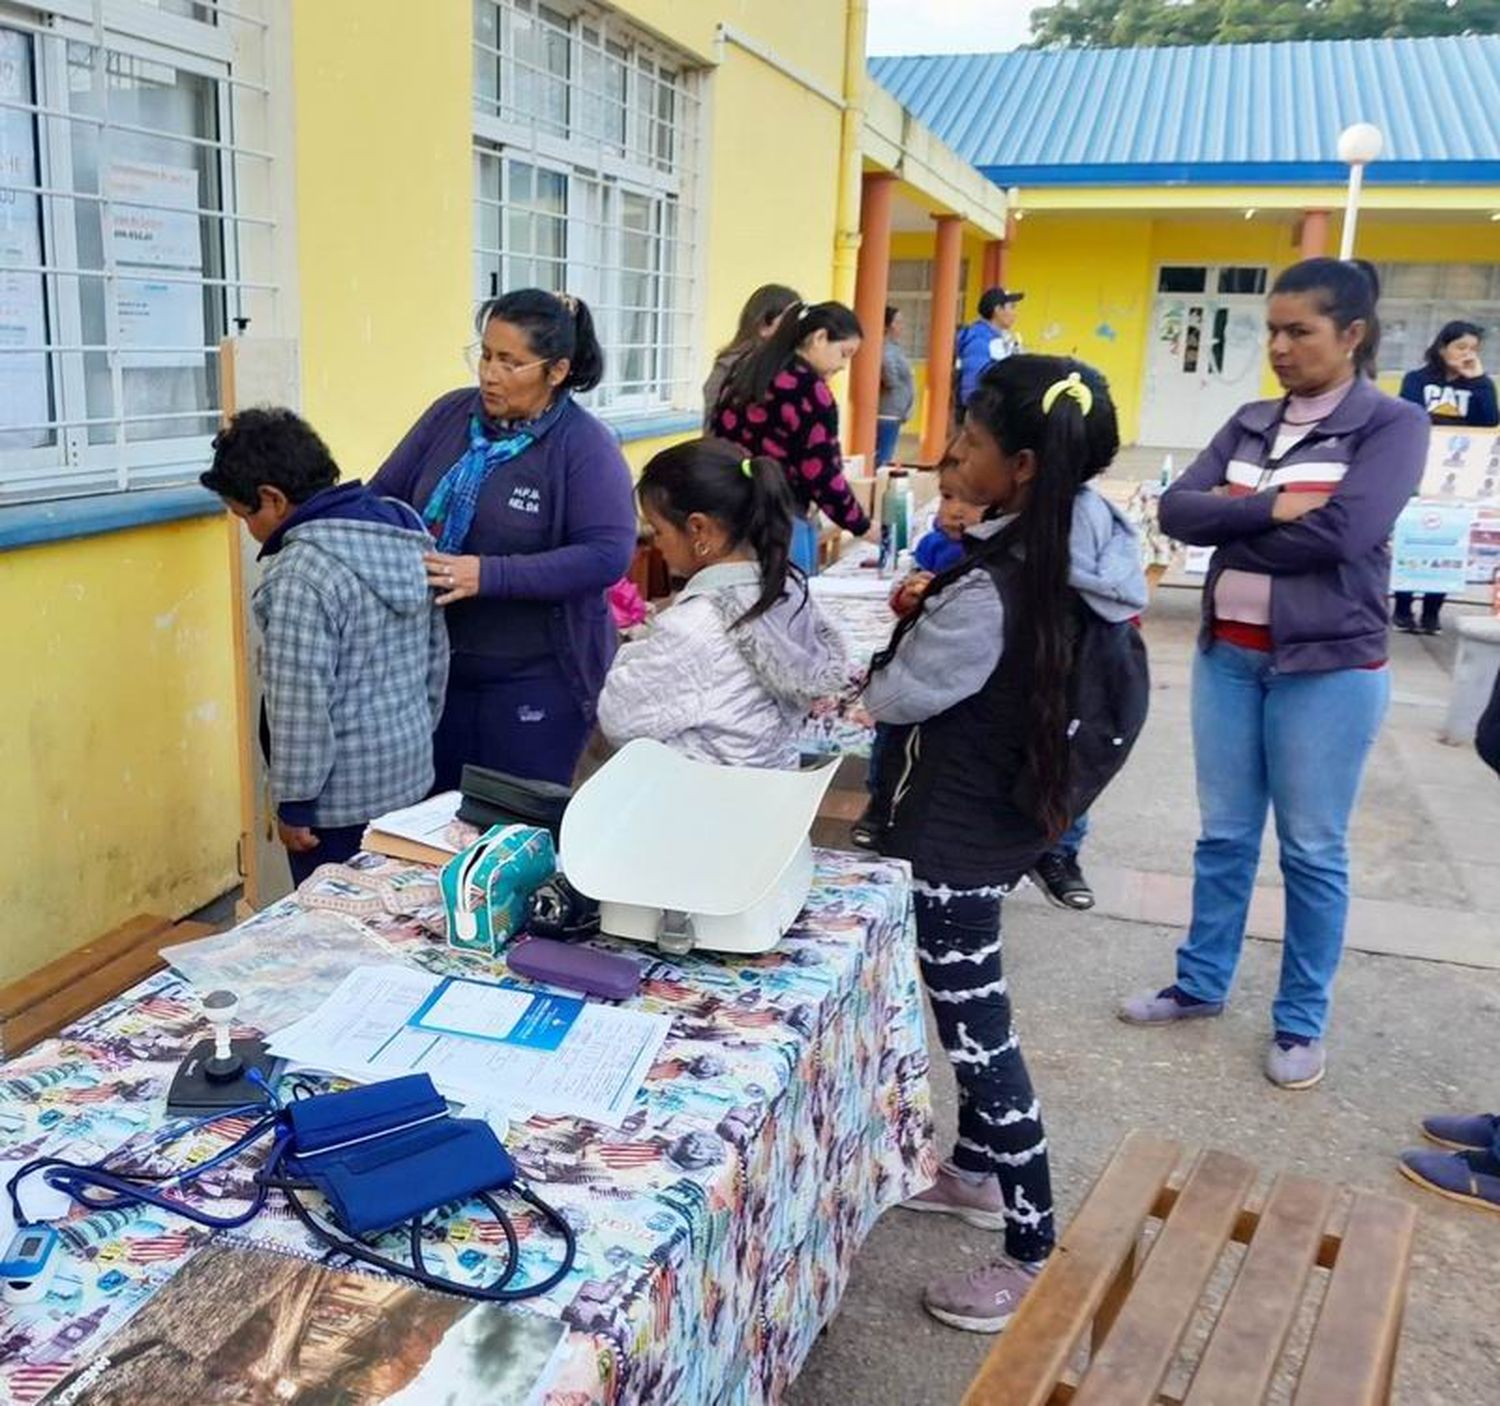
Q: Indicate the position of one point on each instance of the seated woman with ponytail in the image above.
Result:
(730, 670)
(528, 499)
(980, 777)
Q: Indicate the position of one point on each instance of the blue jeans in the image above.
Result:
(887, 433)
(1072, 838)
(1298, 743)
(805, 544)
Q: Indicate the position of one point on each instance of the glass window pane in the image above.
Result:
(486, 61)
(666, 101)
(1465, 282)
(911, 275)
(535, 228)
(1242, 280)
(161, 317)
(1410, 280)
(538, 55)
(487, 201)
(617, 82)
(1180, 279)
(27, 398)
(637, 289)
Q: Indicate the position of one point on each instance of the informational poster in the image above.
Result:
(1462, 474)
(152, 219)
(1430, 548)
(153, 225)
(1484, 545)
(157, 314)
(1462, 463)
(23, 312)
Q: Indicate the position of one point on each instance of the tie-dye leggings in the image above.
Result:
(999, 1120)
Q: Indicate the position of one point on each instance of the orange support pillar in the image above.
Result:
(947, 247)
(993, 270)
(871, 283)
(1314, 234)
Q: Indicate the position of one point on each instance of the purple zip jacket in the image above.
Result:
(554, 529)
(1330, 570)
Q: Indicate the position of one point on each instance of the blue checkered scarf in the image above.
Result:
(449, 513)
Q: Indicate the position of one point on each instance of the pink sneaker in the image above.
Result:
(951, 1195)
(980, 1300)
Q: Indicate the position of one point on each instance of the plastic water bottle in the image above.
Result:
(896, 508)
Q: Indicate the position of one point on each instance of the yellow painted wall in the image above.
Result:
(806, 36)
(385, 214)
(384, 128)
(771, 189)
(117, 735)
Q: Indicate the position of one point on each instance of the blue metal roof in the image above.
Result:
(1231, 114)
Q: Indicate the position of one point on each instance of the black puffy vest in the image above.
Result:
(957, 789)
(951, 779)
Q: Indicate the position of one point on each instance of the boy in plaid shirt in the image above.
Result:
(354, 659)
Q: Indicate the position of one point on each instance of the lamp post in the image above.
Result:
(1358, 146)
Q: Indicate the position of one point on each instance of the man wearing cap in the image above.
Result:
(990, 338)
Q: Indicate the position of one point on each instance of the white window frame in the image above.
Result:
(218, 49)
(600, 171)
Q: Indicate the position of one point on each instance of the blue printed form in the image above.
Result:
(482, 1010)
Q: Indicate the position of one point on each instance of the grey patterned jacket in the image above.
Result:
(354, 663)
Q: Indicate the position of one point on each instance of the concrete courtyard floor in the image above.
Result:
(1414, 1032)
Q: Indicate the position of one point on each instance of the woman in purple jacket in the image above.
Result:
(528, 499)
(1298, 497)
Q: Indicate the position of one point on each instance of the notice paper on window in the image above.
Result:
(507, 1048)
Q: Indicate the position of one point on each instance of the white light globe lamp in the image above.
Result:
(1359, 145)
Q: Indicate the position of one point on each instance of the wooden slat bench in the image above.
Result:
(1136, 1306)
(39, 1004)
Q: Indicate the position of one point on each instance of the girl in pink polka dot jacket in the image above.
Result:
(776, 402)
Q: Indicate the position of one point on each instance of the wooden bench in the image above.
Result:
(1136, 1304)
(43, 1002)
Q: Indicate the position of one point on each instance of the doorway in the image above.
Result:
(1205, 351)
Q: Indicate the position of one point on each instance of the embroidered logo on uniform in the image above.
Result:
(525, 500)
(527, 713)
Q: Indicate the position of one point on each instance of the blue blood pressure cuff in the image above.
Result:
(389, 1153)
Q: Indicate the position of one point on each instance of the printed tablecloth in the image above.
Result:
(857, 601)
(716, 1229)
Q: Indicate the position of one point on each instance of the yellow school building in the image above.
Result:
(1156, 193)
(334, 185)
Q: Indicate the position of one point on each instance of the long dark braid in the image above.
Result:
(1072, 444)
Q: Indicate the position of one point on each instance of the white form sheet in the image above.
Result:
(362, 1030)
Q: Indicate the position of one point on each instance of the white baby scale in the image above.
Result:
(686, 854)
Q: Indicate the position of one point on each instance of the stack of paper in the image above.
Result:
(508, 1048)
(429, 832)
